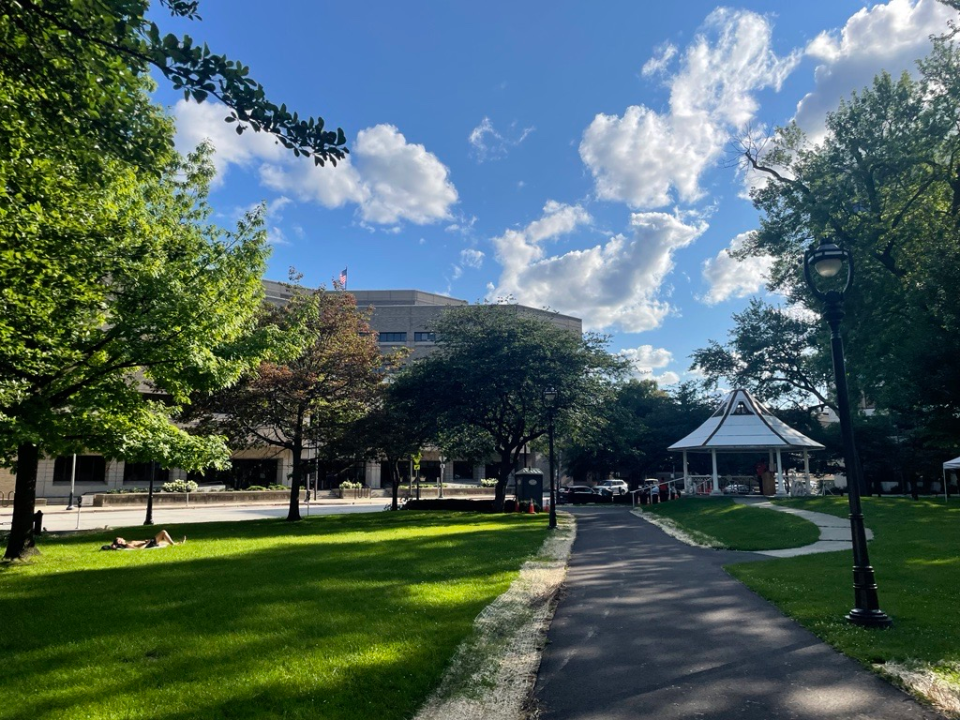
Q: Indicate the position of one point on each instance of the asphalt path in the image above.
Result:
(648, 627)
(56, 519)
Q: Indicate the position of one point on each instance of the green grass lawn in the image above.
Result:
(335, 617)
(735, 526)
(916, 554)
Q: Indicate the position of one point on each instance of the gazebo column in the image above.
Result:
(686, 476)
(806, 468)
(780, 489)
(716, 479)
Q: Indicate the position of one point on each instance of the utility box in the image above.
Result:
(529, 485)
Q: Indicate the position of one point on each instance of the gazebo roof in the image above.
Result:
(741, 423)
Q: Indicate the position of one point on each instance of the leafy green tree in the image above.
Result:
(312, 398)
(105, 277)
(118, 301)
(489, 371)
(80, 65)
(394, 430)
(775, 355)
(636, 426)
(884, 185)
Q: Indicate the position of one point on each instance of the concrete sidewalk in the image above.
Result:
(57, 519)
(648, 627)
(835, 533)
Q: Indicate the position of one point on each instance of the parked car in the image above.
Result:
(736, 489)
(609, 488)
(576, 494)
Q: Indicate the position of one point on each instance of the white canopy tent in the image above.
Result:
(742, 423)
(949, 465)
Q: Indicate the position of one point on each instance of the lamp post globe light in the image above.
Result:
(550, 400)
(827, 261)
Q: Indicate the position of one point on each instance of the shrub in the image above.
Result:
(488, 482)
(256, 488)
(454, 504)
(125, 491)
(347, 485)
(187, 486)
(278, 486)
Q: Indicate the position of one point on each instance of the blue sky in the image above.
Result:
(571, 155)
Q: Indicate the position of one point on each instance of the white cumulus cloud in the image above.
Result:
(728, 277)
(614, 283)
(389, 179)
(645, 359)
(887, 37)
(197, 122)
(644, 157)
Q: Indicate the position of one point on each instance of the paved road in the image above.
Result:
(56, 519)
(651, 628)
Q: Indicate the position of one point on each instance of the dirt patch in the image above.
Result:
(923, 680)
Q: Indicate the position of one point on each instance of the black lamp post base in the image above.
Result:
(869, 618)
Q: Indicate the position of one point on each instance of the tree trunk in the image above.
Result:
(503, 474)
(294, 512)
(21, 540)
(395, 479)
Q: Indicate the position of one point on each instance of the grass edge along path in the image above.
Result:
(341, 617)
(492, 674)
(725, 524)
(916, 553)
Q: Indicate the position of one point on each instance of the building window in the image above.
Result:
(392, 337)
(139, 474)
(424, 337)
(90, 469)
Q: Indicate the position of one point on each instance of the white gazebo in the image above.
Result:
(742, 424)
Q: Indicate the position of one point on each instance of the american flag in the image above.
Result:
(343, 277)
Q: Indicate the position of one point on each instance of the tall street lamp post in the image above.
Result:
(550, 399)
(443, 464)
(149, 519)
(73, 480)
(827, 261)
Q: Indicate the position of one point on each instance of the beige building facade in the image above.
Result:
(401, 318)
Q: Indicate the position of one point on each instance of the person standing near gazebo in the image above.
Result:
(760, 470)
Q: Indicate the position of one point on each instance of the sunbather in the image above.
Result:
(161, 539)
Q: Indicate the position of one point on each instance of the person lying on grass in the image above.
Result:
(162, 539)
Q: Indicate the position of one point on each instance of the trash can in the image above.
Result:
(529, 485)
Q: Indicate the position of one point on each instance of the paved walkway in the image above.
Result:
(835, 531)
(648, 627)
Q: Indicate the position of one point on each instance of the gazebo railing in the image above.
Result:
(699, 484)
(703, 484)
